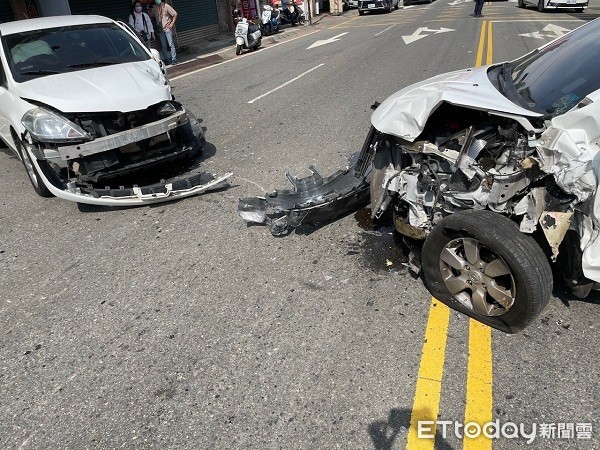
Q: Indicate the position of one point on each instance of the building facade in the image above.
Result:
(197, 19)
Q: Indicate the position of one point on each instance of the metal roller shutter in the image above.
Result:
(6, 14)
(196, 20)
(115, 9)
(193, 14)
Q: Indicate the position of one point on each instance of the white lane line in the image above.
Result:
(383, 31)
(245, 55)
(285, 84)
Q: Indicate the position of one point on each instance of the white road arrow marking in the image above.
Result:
(559, 31)
(326, 41)
(552, 31)
(417, 34)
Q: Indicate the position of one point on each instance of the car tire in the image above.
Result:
(238, 49)
(471, 253)
(540, 6)
(361, 13)
(396, 6)
(521, 4)
(34, 177)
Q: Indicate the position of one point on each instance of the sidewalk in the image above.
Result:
(217, 49)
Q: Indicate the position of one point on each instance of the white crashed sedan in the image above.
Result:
(491, 174)
(89, 111)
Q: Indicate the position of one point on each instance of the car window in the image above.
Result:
(558, 76)
(50, 51)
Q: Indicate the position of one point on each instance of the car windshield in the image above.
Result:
(38, 53)
(557, 77)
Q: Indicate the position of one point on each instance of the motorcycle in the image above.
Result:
(269, 20)
(293, 14)
(247, 35)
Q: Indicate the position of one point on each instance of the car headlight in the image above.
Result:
(47, 126)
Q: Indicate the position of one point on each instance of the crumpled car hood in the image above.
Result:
(405, 113)
(122, 87)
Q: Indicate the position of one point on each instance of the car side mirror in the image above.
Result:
(155, 55)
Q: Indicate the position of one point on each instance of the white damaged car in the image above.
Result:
(494, 169)
(89, 111)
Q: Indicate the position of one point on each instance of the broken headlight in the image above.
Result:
(166, 109)
(47, 126)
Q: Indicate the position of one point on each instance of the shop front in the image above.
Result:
(197, 19)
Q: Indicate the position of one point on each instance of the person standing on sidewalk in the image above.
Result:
(141, 23)
(165, 17)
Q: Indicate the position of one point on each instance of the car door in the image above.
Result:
(6, 99)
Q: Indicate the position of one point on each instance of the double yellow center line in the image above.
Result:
(478, 398)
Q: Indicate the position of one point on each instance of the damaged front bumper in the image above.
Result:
(137, 195)
(312, 199)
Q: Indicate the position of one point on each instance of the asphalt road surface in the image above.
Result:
(177, 326)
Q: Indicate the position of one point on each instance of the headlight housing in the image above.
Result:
(166, 109)
(47, 126)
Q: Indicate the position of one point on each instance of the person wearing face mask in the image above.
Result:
(141, 23)
(165, 17)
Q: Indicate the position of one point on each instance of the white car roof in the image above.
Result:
(19, 26)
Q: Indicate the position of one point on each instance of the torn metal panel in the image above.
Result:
(567, 155)
(530, 207)
(555, 226)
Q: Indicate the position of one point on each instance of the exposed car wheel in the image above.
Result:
(479, 263)
(521, 4)
(361, 13)
(36, 181)
(540, 6)
(238, 49)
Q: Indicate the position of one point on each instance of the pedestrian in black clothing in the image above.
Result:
(478, 8)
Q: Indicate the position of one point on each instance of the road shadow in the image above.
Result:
(384, 433)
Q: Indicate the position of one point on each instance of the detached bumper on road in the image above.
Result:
(313, 199)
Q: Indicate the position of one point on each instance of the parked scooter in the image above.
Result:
(269, 20)
(247, 35)
(293, 14)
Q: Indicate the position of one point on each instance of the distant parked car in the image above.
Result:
(542, 5)
(376, 5)
(352, 3)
